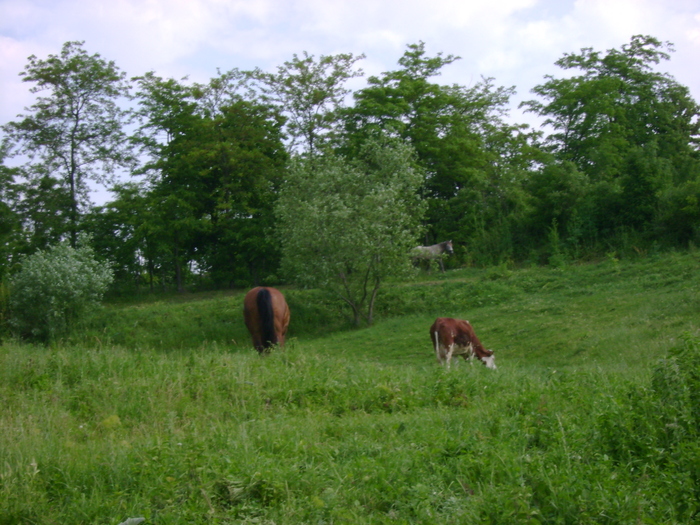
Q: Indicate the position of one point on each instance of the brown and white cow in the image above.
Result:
(456, 337)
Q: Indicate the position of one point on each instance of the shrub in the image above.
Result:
(54, 289)
(656, 419)
(654, 432)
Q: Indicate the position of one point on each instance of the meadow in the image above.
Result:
(161, 409)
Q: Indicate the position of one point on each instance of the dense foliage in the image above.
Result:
(475, 162)
(55, 289)
(625, 139)
(616, 168)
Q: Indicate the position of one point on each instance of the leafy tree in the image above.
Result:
(617, 102)
(9, 220)
(169, 125)
(43, 207)
(473, 160)
(556, 196)
(55, 289)
(242, 155)
(404, 103)
(632, 131)
(679, 212)
(216, 161)
(120, 235)
(348, 225)
(74, 133)
(310, 93)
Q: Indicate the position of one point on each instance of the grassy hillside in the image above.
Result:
(616, 313)
(163, 410)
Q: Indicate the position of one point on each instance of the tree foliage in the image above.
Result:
(631, 131)
(474, 161)
(311, 93)
(617, 166)
(9, 219)
(121, 234)
(215, 161)
(75, 132)
(347, 225)
(55, 289)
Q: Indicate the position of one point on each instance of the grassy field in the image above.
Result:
(162, 410)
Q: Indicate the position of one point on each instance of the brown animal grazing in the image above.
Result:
(456, 337)
(266, 315)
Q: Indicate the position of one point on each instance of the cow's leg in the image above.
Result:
(438, 349)
(469, 354)
(450, 350)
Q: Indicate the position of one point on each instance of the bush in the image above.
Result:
(653, 433)
(654, 420)
(55, 289)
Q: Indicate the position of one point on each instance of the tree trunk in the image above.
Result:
(151, 270)
(178, 273)
(370, 310)
(73, 211)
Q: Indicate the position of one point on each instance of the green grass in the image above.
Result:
(163, 409)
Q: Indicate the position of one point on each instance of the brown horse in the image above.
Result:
(266, 315)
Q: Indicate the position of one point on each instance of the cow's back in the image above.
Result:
(443, 331)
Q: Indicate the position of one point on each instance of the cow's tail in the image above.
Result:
(267, 318)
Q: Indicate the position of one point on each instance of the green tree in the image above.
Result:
(310, 92)
(120, 234)
(169, 126)
(634, 132)
(55, 289)
(216, 160)
(74, 133)
(347, 225)
(404, 103)
(679, 212)
(474, 161)
(557, 194)
(9, 220)
(241, 153)
(42, 205)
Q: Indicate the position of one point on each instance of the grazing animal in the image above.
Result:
(430, 253)
(266, 315)
(456, 337)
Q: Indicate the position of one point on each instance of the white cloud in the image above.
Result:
(515, 41)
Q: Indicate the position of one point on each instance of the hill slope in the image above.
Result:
(612, 313)
(591, 416)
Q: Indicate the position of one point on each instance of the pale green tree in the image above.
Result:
(55, 289)
(348, 225)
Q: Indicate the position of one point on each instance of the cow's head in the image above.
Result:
(489, 361)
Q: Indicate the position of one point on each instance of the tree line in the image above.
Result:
(266, 177)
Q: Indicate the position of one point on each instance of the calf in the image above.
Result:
(456, 337)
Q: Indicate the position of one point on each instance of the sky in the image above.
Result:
(516, 42)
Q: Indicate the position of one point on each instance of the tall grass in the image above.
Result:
(591, 417)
